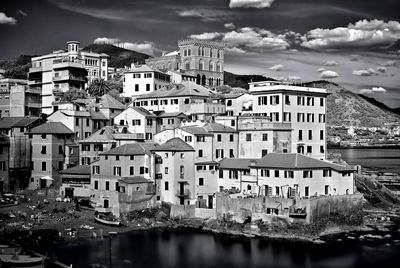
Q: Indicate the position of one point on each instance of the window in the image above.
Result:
(131, 170)
(201, 181)
(136, 87)
(321, 118)
(117, 171)
(264, 136)
(219, 137)
(287, 100)
(262, 100)
(77, 122)
(310, 134)
(149, 122)
(166, 186)
(321, 134)
(231, 154)
(219, 153)
(231, 137)
(248, 137)
(116, 186)
(307, 174)
(321, 149)
(306, 191)
(141, 170)
(200, 153)
(287, 117)
(188, 138)
(327, 173)
(274, 100)
(43, 166)
(182, 156)
(107, 185)
(96, 185)
(233, 174)
(277, 190)
(201, 138)
(289, 174)
(43, 151)
(233, 123)
(147, 75)
(87, 134)
(85, 147)
(321, 102)
(147, 87)
(166, 170)
(220, 174)
(136, 122)
(43, 136)
(248, 187)
(87, 122)
(229, 103)
(309, 149)
(96, 169)
(264, 172)
(300, 135)
(117, 157)
(149, 136)
(264, 152)
(276, 173)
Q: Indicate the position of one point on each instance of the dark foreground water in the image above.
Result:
(169, 248)
(388, 159)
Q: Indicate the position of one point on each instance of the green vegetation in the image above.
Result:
(242, 81)
(17, 68)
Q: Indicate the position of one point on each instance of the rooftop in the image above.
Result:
(11, 122)
(236, 163)
(182, 90)
(132, 149)
(77, 170)
(107, 101)
(196, 130)
(51, 128)
(216, 127)
(135, 180)
(174, 145)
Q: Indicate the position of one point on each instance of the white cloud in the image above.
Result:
(206, 36)
(367, 72)
(294, 77)
(389, 63)
(20, 12)
(320, 70)
(277, 67)
(146, 47)
(235, 50)
(229, 26)
(7, 20)
(373, 90)
(363, 33)
(250, 3)
(381, 69)
(328, 74)
(329, 63)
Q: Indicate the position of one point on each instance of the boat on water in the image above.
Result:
(15, 260)
(107, 218)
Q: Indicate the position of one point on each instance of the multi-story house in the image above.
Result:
(131, 163)
(104, 140)
(55, 73)
(4, 162)
(137, 120)
(80, 122)
(177, 184)
(196, 101)
(20, 150)
(53, 150)
(285, 175)
(142, 80)
(303, 107)
(203, 59)
(177, 77)
(258, 136)
(75, 182)
(108, 107)
(238, 103)
(16, 99)
(169, 120)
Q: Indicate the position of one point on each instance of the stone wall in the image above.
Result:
(182, 211)
(266, 208)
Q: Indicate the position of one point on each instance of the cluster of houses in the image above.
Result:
(176, 141)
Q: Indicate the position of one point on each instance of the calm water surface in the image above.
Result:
(169, 248)
(379, 158)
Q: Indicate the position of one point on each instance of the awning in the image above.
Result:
(47, 178)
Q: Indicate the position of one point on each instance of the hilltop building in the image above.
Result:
(203, 59)
(57, 72)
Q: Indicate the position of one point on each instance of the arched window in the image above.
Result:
(198, 79)
(219, 54)
(211, 67)
(219, 67)
(187, 65)
(201, 65)
(199, 51)
(202, 51)
(184, 53)
(211, 54)
(189, 52)
(203, 80)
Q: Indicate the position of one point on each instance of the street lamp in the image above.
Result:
(110, 234)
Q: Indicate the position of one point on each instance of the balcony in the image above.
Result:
(35, 82)
(185, 193)
(67, 64)
(58, 92)
(70, 78)
(35, 69)
(33, 90)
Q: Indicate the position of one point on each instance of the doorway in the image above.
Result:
(210, 201)
(106, 203)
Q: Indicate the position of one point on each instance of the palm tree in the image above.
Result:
(98, 88)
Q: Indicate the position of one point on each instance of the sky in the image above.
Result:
(355, 43)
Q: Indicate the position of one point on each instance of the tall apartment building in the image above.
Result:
(303, 107)
(203, 59)
(53, 150)
(55, 73)
(143, 79)
(16, 99)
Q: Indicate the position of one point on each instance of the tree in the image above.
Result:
(74, 94)
(100, 87)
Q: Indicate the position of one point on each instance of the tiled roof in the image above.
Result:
(177, 114)
(233, 95)
(103, 134)
(142, 68)
(78, 170)
(131, 149)
(296, 161)
(143, 111)
(135, 180)
(51, 128)
(185, 89)
(97, 115)
(195, 130)
(210, 163)
(216, 127)
(109, 102)
(20, 121)
(174, 145)
(236, 163)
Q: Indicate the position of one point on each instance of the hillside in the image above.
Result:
(17, 67)
(236, 80)
(119, 57)
(347, 108)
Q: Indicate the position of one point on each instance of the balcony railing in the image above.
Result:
(69, 77)
(34, 90)
(35, 82)
(185, 193)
